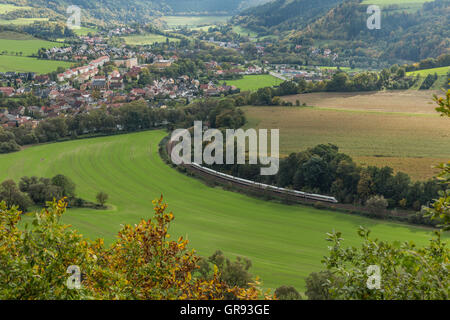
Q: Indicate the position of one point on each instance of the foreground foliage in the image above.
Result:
(142, 264)
(405, 271)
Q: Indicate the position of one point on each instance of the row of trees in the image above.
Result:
(131, 117)
(429, 81)
(34, 190)
(442, 61)
(393, 78)
(405, 271)
(324, 170)
(38, 191)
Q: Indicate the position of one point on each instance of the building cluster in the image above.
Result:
(83, 73)
(236, 69)
(224, 44)
(210, 89)
(15, 118)
(104, 76)
(85, 88)
(324, 53)
(294, 72)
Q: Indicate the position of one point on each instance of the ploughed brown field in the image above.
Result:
(400, 129)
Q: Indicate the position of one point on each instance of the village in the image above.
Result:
(105, 76)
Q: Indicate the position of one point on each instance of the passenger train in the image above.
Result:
(262, 186)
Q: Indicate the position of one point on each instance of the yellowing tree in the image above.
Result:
(142, 264)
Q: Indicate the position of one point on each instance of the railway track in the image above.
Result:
(252, 185)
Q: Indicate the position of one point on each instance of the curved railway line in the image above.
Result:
(251, 185)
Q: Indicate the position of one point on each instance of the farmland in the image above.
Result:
(84, 31)
(6, 8)
(21, 21)
(392, 2)
(442, 71)
(146, 39)
(244, 32)
(285, 243)
(254, 82)
(28, 64)
(16, 49)
(399, 129)
(22, 44)
(408, 5)
(194, 21)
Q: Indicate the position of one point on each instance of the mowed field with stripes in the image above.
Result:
(285, 243)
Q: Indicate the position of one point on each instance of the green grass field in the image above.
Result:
(84, 31)
(244, 32)
(28, 64)
(194, 21)
(21, 21)
(27, 47)
(146, 39)
(442, 71)
(255, 82)
(392, 2)
(403, 5)
(5, 8)
(285, 243)
(440, 83)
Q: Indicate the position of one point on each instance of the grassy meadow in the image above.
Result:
(442, 71)
(399, 129)
(16, 49)
(392, 2)
(244, 32)
(285, 243)
(6, 8)
(403, 5)
(84, 31)
(21, 21)
(25, 46)
(28, 64)
(147, 39)
(194, 21)
(254, 82)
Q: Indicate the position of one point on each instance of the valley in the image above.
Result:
(284, 242)
(360, 117)
(374, 128)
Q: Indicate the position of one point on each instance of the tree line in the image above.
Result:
(131, 117)
(31, 191)
(325, 170)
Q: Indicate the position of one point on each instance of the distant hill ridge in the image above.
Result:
(285, 14)
(408, 35)
(139, 10)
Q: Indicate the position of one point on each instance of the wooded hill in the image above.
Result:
(131, 11)
(284, 14)
(405, 35)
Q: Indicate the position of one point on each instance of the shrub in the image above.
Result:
(141, 264)
(287, 293)
(376, 204)
(316, 286)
